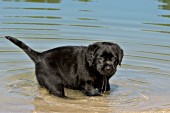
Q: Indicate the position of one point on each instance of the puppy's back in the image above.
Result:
(66, 55)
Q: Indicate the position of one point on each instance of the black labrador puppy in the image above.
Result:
(77, 67)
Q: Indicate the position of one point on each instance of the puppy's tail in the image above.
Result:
(34, 55)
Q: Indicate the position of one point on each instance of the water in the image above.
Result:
(140, 27)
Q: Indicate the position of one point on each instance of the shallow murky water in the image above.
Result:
(141, 28)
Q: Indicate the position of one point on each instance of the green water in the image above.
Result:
(140, 27)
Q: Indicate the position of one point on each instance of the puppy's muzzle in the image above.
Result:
(109, 69)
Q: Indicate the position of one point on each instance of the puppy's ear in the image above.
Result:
(90, 53)
(120, 55)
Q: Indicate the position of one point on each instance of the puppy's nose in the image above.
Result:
(108, 68)
(108, 63)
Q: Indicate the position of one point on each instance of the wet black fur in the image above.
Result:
(78, 67)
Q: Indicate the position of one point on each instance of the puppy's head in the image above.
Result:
(104, 57)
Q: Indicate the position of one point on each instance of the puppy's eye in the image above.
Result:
(114, 58)
(116, 62)
(100, 59)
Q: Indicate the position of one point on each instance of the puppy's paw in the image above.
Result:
(94, 92)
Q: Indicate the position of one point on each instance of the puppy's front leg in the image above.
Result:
(107, 85)
(90, 90)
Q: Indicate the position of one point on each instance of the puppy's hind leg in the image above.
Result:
(57, 90)
(52, 84)
(54, 87)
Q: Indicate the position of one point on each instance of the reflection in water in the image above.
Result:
(166, 4)
(46, 1)
(48, 17)
(85, 0)
(32, 8)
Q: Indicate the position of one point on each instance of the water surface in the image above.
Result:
(141, 28)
